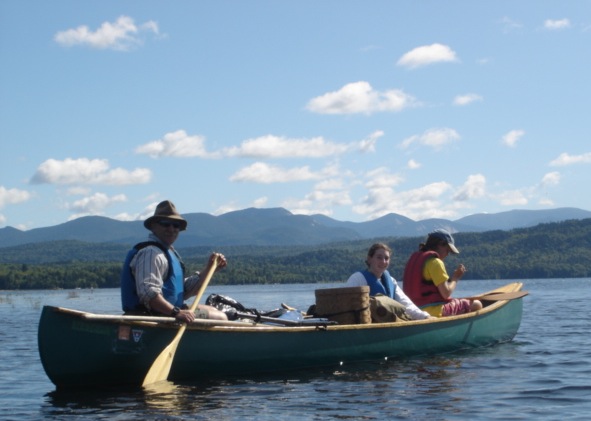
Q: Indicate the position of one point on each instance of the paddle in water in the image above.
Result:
(162, 364)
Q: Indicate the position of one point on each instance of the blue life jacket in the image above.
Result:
(172, 288)
(385, 285)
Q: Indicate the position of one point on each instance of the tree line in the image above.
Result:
(554, 250)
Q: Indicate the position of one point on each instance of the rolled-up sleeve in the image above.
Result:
(149, 267)
(192, 284)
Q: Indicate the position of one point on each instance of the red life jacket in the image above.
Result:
(418, 289)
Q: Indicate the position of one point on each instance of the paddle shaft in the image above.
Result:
(161, 366)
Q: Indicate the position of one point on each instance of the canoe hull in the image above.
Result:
(77, 351)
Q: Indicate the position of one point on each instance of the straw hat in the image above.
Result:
(166, 210)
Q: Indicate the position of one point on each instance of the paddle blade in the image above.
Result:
(161, 366)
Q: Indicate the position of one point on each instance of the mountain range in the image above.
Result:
(279, 227)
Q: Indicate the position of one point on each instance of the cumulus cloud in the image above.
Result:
(318, 202)
(261, 172)
(420, 203)
(434, 138)
(360, 97)
(556, 24)
(87, 171)
(176, 144)
(567, 159)
(551, 179)
(413, 165)
(141, 216)
(121, 35)
(512, 198)
(281, 147)
(473, 188)
(466, 99)
(94, 205)
(510, 139)
(427, 54)
(382, 177)
(12, 196)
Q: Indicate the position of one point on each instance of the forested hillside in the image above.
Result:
(555, 250)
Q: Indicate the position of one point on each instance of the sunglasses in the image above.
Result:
(166, 223)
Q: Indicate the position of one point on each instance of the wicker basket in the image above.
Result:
(347, 306)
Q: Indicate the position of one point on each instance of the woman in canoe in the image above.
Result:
(379, 280)
(427, 283)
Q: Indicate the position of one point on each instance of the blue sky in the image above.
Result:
(352, 109)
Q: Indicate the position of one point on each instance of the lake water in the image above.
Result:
(544, 374)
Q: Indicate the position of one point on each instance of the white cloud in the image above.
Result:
(556, 24)
(360, 97)
(420, 203)
(567, 159)
(512, 198)
(413, 165)
(466, 99)
(12, 196)
(551, 179)
(510, 139)
(369, 144)
(141, 216)
(87, 171)
(381, 177)
(318, 202)
(434, 138)
(176, 144)
(427, 54)
(280, 147)
(95, 204)
(473, 188)
(121, 35)
(263, 173)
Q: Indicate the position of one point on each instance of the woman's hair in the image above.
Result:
(431, 243)
(375, 247)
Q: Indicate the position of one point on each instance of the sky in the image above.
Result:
(352, 109)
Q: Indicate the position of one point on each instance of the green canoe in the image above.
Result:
(80, 350)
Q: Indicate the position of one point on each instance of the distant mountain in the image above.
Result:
(279, 227)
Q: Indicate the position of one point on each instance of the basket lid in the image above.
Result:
(345, 290)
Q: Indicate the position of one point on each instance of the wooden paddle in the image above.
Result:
(499, 296)
(161, 365)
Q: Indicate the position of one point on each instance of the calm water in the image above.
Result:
(544, 373)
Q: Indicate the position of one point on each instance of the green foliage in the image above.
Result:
(556, 250)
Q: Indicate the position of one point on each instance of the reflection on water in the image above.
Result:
(339, 394)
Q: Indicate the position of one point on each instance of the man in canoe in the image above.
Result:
(153, 277)
(379, 280)
(426, 281)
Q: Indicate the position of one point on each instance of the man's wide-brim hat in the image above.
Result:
(167, 211)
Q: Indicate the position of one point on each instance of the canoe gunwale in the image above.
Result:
(249, 325)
